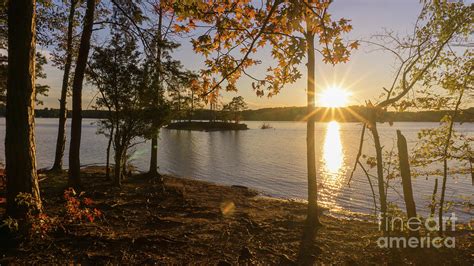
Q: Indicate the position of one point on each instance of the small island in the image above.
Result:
(207, 126)
(226, 119)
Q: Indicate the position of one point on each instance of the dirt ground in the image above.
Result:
(202, 223)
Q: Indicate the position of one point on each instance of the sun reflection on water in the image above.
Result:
(332, 152)
(333, 169)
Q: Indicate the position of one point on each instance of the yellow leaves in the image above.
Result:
(261, 42)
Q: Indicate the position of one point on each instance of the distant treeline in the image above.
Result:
(347, 114)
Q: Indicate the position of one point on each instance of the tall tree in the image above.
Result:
(61, 138)
(164, 70)
(290, 28)
(76, 122)
(124, 89)
(158, 40)
(444, 144)
(20, 123)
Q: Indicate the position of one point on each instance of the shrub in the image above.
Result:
(78, 207)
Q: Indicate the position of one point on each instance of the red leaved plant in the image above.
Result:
(78, 207)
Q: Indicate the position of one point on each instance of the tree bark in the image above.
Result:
(380, 177)
(312, 219)
(20, 157)
(406, 178)
(76, 122)
(61, 139)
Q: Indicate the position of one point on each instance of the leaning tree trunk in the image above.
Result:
(312, 219)
(406, 178)
(379, 160)
(76, 122)
(445, 161)
(20, 158)
(433, 199)
(61, 139)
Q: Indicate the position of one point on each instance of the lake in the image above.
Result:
(272, 161)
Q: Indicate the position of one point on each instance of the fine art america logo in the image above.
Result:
(414, 226)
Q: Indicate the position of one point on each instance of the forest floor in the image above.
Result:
(203, 223)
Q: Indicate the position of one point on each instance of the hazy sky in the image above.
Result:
(366, 73)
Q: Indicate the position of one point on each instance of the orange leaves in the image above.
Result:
(219, 9)
(354, 45)
(180, 28)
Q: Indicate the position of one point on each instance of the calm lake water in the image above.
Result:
(272, 161)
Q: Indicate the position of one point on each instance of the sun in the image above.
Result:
(334, 97)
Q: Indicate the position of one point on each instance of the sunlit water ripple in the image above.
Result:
(272, 161)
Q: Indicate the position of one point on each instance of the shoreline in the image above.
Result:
(205, 223)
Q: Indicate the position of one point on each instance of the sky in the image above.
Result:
(363, 76)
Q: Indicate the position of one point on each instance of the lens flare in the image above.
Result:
(334, 97)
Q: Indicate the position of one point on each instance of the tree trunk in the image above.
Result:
(406, 178)
(107, 164)
(153, 172)
(76, 122)
(61, 139)
(433, 199)
(380, 177)
(312, 219)
(20, 157)
(445, 161)
(124, 162)
(192, 112)
(118, 165)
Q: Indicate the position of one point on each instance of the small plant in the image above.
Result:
(78, 207)
(10, 224)
(35, 223)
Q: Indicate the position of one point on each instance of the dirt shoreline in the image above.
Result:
(203, 223)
